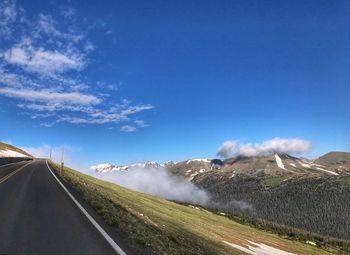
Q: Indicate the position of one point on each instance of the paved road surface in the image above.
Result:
(38, 217)
(4, 161)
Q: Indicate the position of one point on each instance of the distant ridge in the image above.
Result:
(8, 150)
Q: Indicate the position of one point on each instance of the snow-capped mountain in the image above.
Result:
(271, 165)
(275, 164)
(106, 168)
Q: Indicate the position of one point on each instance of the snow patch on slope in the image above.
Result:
(12, 154)
(279, 162)
(305, 165)
(205, 160)
(106, 168)
(327, 171)
(259, 249)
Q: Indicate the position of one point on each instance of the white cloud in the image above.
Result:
(43, 61)
(269, 147)
(73, 98)
(158, 182)
(89, 46)
(137, 108)
(128, 128)
(227, 149)
(140, 123)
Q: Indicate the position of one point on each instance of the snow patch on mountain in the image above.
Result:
(327, 171)
(259, 249)
(107, 168)
(307, 165)
(279, 162)
(168, 163)
(205, 160)
(12, 154)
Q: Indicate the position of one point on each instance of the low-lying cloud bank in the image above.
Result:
(158, 182)
(275, 145)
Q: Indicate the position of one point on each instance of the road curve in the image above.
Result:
(38, 217)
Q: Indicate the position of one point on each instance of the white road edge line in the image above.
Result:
(115, 247)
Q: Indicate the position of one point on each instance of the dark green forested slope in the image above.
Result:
(317, 204)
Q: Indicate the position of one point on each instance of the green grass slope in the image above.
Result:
(337, 161)
(170, 228)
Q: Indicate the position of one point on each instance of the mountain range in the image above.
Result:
(332, 163)
(108, 168)
(313, 195)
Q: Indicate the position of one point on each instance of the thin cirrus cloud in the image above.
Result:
(51, 97)
(128, 128)
(8, 15)
(40, 69)
(269, 147)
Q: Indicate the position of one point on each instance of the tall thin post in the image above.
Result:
(50, 153)
(62, 164)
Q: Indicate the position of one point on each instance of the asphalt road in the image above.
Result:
(38, 217)
(4, 161)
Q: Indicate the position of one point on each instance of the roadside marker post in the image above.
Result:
(62, 167)
(62, 163)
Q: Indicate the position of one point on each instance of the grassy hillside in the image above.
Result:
(334, 157)
(5, 146)
(170, 228)
(337, 161)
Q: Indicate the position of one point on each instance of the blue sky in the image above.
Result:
(130, 81)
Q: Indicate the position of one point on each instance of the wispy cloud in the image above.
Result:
(140, 123)
(41, 70)
(8, 15)
(128, 128)
(51, 97)
(275, 145)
